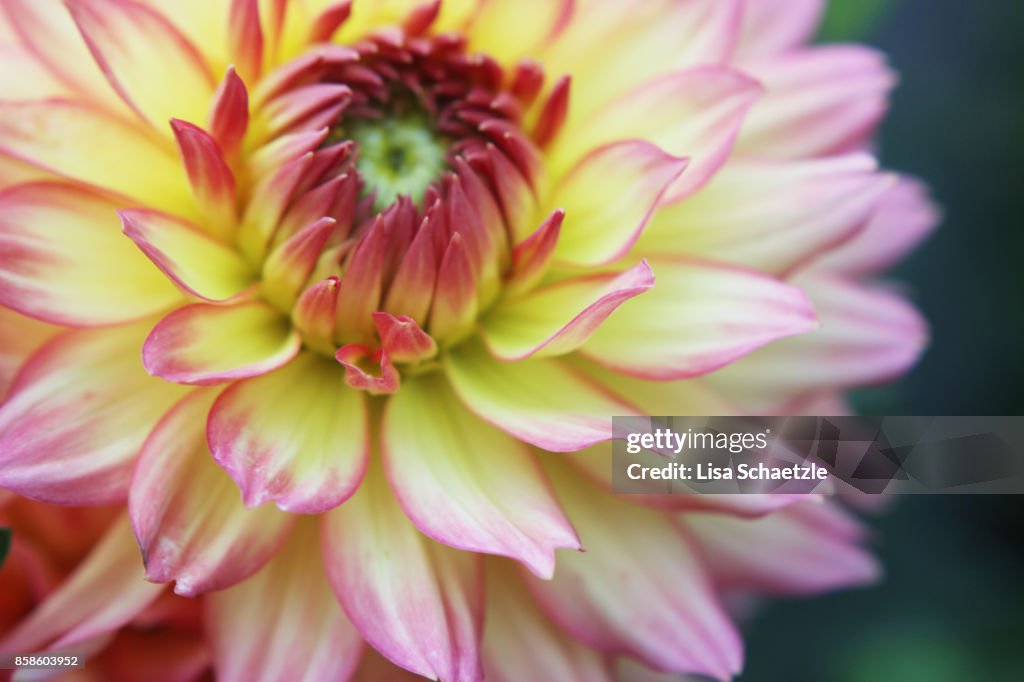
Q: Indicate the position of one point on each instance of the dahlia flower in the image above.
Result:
(336, 300)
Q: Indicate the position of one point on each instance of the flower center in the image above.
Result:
(397, 156)
(397, 228)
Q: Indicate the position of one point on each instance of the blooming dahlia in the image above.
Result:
(388, 269)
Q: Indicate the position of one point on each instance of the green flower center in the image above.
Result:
(397, 155)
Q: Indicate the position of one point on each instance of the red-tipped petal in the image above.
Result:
(402, 339)
(559, 318)
(245, 38)
(455, 298)
(229, 114)
(212, 181)
(288, 267)
(315, 312)
(358, 361)
(361, 285)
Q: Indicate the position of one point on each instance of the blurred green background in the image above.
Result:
(951, 608)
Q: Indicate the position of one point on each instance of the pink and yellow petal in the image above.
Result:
(559, 318)
(499, 504)
(83, 143)
(76, 416)
(130, 42)
(209, 344)
(416, 602)
(608, 197)
(189, 523)
(309, 638)
(63, 260)
(297, 436)
(771, 216)
(194, 261)
(545, 402)
(698, 318)
(622, 595)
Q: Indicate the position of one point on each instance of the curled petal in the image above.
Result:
(559, 318)
(402, 339)
(297, 436)
(499, 504)
(210, 344)
(185, 511)
(197, 263)
(698, 318)
(416, 602)
(358, 361)
(229, 114)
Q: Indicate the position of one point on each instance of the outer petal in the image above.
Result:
(535, 20)
(624, 594)
(82, 143)
(208, 344)
(543, 402)
(499, 503)
(520, 643)
(771, 216)
(818, 101)
(416, 602)
(193, 260)
(867, 336)
(609, 46)
(771, 26)
(297, 436)
(608, 198)
(695, 113)
(20, 336)
(559, 318)
(131, 43)
(63, 260)
(104, 592)
(308, 639)
(190, 525)
(904, 217)
(24, 77)
(76, 416)
(803, 549)
(41, 26)
(698, 318)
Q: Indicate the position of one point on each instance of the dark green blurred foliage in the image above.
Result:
(951, 608)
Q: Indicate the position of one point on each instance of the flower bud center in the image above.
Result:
(397, 155)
